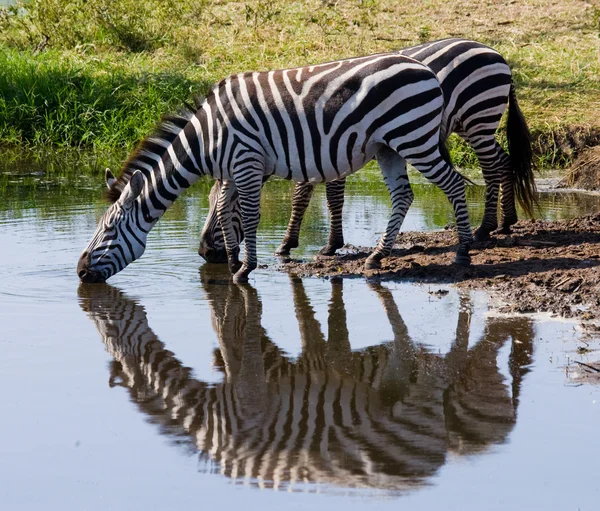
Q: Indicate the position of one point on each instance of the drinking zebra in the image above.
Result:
(382, 417)
(477, 86)
(310, 124)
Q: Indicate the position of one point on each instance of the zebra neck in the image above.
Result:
(172, 166)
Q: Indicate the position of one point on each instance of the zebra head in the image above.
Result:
(212, 241)
(120, 237)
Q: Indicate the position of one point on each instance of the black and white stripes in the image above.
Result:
(477, 87)
(311, 124)
(381, 417)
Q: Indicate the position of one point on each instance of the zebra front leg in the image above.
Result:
(224, 213)
(302, 195)
(335, 204)
(249, 191)
(393, 168)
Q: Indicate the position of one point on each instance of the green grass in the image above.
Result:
(98, 74)
(60, 101)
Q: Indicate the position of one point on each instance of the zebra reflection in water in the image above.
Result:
(382, 417)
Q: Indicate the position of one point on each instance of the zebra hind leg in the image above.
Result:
(508, 210)
(393, 168)
(452, 184)
(487, 150)
(489, 223)
(501, 178)
(335, 204)
(302, 195)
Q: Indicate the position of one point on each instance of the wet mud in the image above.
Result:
(543, 266)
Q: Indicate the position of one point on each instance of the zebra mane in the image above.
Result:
(167, 130)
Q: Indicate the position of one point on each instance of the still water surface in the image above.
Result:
(171, 387)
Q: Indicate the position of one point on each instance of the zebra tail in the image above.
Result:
(446, 155)
(521, 156)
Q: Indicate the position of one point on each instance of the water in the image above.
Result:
(170, 387)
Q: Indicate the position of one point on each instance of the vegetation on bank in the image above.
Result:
(98, 74)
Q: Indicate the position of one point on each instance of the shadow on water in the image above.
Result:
(385, 417)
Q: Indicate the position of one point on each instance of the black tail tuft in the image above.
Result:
(519, 147)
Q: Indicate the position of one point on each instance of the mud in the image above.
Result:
(543, 266)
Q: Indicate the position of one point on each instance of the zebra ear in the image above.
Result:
(110, 179)
(133, 188)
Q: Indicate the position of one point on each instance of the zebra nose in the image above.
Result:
(83, 264)
(206, 253)
(204, 249)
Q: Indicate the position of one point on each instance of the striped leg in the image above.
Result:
(495, 167)
(249, 186)
(339, 350)
(224, 213)
(311, 336)
(403, 343)
(439, 171)
(393, 168)
(251, 386)
(335, 204)
(508, 210)
(302, 195)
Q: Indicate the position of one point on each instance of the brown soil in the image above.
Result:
(543, 266)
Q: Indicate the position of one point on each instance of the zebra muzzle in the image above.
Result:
(211, 255)
(85, 273)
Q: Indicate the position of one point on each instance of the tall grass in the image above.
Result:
(58, 101)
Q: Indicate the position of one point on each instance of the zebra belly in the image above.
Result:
(319, 170)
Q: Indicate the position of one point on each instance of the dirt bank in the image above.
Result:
(585, 171)
(543, 266)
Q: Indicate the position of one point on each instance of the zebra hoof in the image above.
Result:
(235, 267)
(241, 277)
(328, 250)
(504, 230)
(285, 247)
(506, 223)
(462, 259)
(482, 235)
(282, 251)
(331, 247)
(372, 263)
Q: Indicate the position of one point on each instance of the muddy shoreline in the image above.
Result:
(543, 266)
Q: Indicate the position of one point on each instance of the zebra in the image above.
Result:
(477, 86)
(309, 124)
(382, 417)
